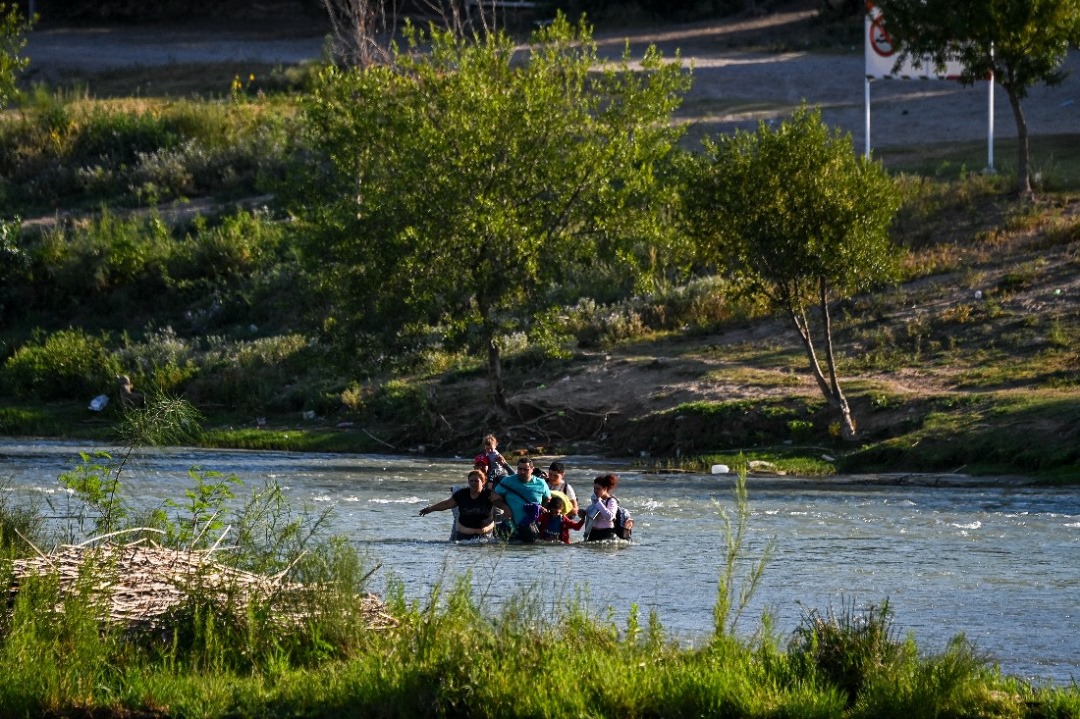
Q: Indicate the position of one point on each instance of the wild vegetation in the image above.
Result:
(165, 242)
(216, 300)
(315, 647)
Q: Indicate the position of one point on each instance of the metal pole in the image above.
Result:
(990, 126)
(866, 104)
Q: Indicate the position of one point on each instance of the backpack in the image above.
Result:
(528, 530)
(622, 518)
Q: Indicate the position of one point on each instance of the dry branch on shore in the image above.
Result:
(138, 584)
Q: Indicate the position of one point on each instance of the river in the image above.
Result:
(993, 561)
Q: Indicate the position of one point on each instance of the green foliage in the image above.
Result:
(733, 593)
(95, 484)
(12, 42)
(217, 655)
(802, 219)
(21, 521)
(951, 684)
(14, 263)
(849, 649)
(801, 429)
(700, 306)
(65, 150)
(448, 196)
(69, 363)
(163, 420)
(115, 268)
(1019, 42)
(795, 210)
(53, 645)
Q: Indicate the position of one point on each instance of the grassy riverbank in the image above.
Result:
(454, 659)
(152, 247)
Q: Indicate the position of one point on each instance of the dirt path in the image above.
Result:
(731, 89)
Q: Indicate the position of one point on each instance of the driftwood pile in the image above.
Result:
(138, 584)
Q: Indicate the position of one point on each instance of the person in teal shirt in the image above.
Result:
(517, 490)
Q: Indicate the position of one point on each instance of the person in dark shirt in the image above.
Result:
(474, 515)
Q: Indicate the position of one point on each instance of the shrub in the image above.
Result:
(65, 365)
(163, 359)
(955, 683)
(849, 649)
(14, 263)
(89, 268)
(67, 150)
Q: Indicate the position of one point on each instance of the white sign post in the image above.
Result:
(880, 52)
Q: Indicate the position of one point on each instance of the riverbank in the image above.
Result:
(968, 365)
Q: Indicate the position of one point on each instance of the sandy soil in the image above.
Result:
(731, 89)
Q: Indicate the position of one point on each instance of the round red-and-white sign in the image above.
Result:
(879, 38)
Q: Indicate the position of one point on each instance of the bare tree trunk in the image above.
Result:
(1023, 167)
(798, 317)
(495, 378)
(362, 30)
(839, 401)
(830, 388)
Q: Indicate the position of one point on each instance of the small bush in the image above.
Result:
(64, 365)
(954, 684)
(67, 150)
(849, 649)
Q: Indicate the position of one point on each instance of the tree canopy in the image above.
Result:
(801, 218)
(1021, 42)
(12, 26)
(457, 190)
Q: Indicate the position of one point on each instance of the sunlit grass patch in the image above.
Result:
(795, 461)
(1055, 160)
(291, 440)
(207, 81)
(757, 377)
(994, 433)
(1049, 367)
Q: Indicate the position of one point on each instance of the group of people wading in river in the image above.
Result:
(529, 504)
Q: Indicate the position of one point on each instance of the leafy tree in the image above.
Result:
(12, 42)
(454, 193)
(800, 218)
(1022, 42)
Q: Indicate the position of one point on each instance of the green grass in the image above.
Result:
(791, 460)
(954, 221)
(188, 80)
(450, 657)
(1006, 432)
(450, 654)
(292, 440)
(60, 420)
(1055, 160)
